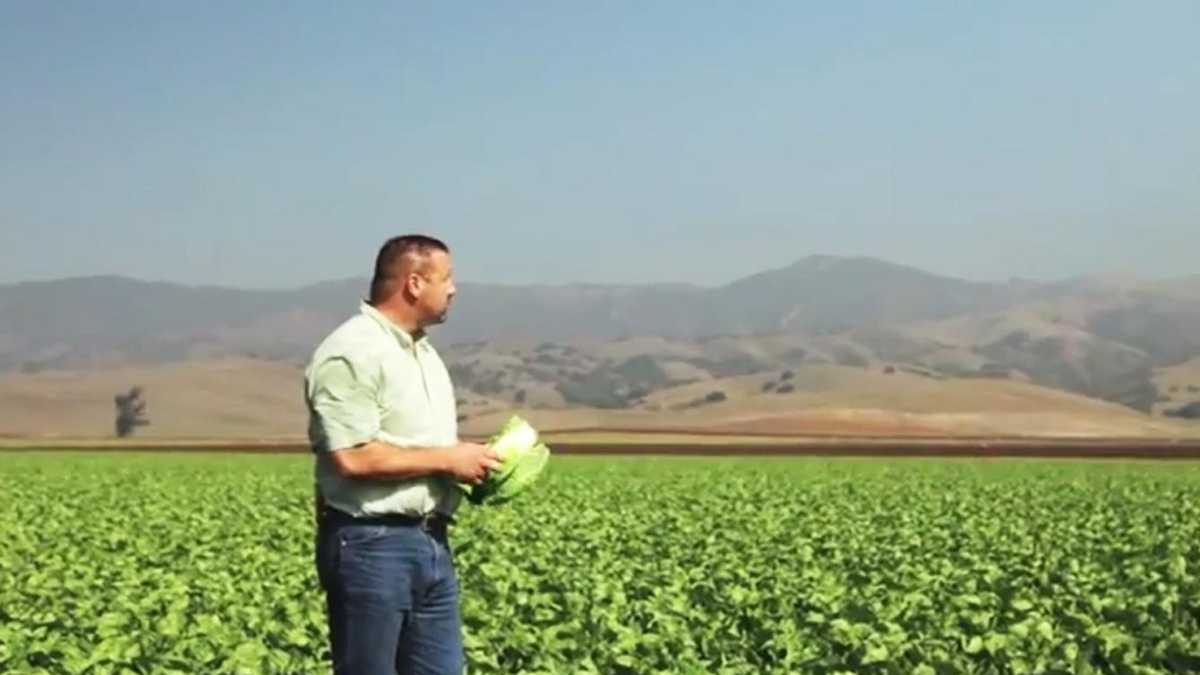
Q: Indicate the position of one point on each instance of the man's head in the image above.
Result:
(414, 278)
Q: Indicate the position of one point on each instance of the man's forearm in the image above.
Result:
(378, 460)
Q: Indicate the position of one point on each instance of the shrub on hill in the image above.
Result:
(1190, 411)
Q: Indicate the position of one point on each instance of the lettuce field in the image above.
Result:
(188, 563)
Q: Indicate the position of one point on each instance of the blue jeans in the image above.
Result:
(391, 597)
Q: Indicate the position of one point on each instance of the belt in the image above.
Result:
(430, 521)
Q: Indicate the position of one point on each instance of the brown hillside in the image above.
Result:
(224, 398)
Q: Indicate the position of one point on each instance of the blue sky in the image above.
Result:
(273, 144)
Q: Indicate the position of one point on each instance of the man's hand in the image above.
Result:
(471, 462)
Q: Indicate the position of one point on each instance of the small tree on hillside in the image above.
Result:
(131, 411)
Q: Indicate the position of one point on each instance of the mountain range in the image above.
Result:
(1124, 341)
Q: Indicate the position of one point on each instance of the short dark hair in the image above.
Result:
(390, 262)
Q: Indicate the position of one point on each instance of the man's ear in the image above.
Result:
(415, 283)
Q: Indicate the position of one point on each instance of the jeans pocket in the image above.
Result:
(355, 535)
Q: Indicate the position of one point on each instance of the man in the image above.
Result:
(383, 427)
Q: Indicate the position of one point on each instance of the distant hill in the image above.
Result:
(258, 400)
(219, 398)
(112, 319)
(612, 347)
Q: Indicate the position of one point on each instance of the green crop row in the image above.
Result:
(160, 564)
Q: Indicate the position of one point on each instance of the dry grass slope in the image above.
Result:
(224, 398)
(262, 400)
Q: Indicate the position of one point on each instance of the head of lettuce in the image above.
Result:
(522, 458)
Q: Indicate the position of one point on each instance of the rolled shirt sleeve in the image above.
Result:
(344, 405)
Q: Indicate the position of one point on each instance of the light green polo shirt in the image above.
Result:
(370, 380)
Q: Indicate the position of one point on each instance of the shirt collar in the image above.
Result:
(401, 335)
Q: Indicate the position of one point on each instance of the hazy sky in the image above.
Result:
(271, 144)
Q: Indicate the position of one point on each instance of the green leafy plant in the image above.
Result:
(523, 457)
(187, 563)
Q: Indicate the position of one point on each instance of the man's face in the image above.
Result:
(436, 288)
